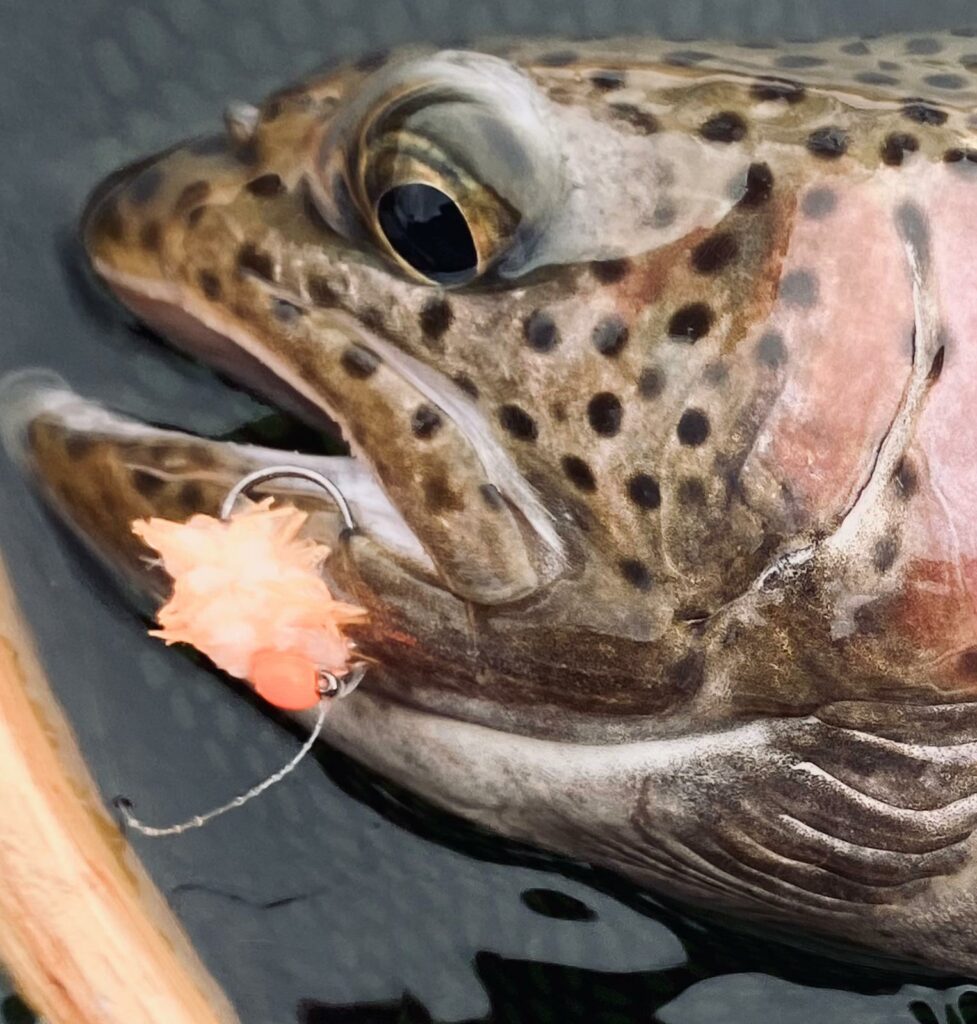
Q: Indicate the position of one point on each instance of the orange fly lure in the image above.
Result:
(248, 593)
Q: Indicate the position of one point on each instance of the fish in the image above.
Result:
(655, 364)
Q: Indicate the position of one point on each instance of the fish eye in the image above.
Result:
(426, 228)
(446, 163)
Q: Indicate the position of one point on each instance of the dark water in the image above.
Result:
(334, 899)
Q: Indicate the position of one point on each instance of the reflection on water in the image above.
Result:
(336, 897)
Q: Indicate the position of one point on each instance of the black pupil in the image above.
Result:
(427, 230)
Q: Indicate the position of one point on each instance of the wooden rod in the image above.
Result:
(84, 933)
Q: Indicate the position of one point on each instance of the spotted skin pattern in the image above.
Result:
(692, 483)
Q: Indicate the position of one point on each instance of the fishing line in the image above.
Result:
(124, 806)
(326, 686)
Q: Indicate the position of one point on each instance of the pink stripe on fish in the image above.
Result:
(845, 313)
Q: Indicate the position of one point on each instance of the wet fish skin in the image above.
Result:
(689, 461)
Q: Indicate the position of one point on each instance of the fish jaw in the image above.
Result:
(522, 668)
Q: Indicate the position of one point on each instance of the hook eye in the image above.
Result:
(331, 685)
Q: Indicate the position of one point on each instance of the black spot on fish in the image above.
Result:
(856, 49)
(108, 221)
(799, 288)
(644, 491)
(693, 427)
(372, 318)
(792, 61)
(818, 203)
(896, 146)
(209, 284)
(715, 253)
(193, 195)
(643, 120)
(540, 331)
(266, 185)
(466, 384)
(253, 260)
(946, 81)
(651, 382)
(924, 45)
(359, 362)
(191, 496)
(425, 422)
(690, 323)
(905, 479)
(608, 81)
(146, 483)
(759, 185)
(78, 446)
(150, 236)
(636, 573)
(610, 335)
(828, 143)
(875, 78)
(686, 675)
(884, 554)
(439, 496)
(604, 413)
(726, 127)
(664, 214)
(610, 271)
(578, 473)
(870, 618)
(435, 318)
(956, 156)
(518, 422)
(321, 292)
(770, 89)
(771, 351)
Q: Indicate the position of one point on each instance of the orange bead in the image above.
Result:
(289, 681)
